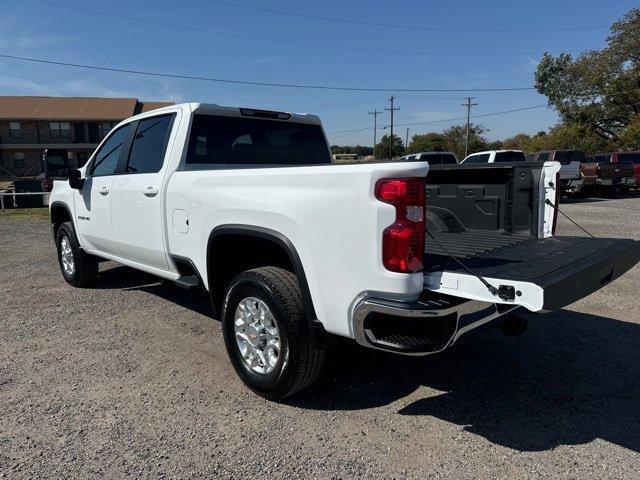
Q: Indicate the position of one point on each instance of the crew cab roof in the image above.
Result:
(215, 109)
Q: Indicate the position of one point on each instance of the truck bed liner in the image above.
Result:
(470, 243)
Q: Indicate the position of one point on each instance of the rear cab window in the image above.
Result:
(504, 157)
(576, 156)
(440, 159)
(229, 141)
(629, 157)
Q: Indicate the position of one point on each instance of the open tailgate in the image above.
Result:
(539, 274)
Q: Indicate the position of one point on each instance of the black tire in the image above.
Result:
(85, 266)
(301, 357)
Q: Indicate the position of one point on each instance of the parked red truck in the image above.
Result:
(599, 173)
(629, 157)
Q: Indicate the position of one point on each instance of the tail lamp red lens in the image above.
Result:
(403, 241)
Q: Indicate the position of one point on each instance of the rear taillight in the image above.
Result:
(403, 241)
(47, 185)
(556, 204)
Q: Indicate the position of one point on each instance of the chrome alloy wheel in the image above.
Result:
(257, 335)
(66, 255)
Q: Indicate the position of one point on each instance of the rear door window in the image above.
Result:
(441, 159)
(105, 161)
(222, 140)
(483, 158)
(149, 145)
(542, 157)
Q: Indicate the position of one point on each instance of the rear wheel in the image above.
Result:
(267, 334)
(78, 268)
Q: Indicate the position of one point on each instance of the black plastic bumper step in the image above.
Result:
(188, 282)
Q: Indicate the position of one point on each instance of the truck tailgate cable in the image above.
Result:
(557, 209)
(493, 290)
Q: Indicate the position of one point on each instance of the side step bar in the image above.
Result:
(189, 278)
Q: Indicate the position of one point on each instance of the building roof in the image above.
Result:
(73, 108)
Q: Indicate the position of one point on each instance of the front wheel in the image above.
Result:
(78, 268)
(267, 335)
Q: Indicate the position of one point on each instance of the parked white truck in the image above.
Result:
(247, 205)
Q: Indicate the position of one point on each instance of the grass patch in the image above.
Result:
(24, 213)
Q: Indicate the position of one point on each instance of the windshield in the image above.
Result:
(225, 140)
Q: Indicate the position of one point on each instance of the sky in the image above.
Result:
(404, 44)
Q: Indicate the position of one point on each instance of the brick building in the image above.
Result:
(29, 125)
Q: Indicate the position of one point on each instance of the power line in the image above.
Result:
(444, 120)
(412, 27)
(254, 83)
(220, 33)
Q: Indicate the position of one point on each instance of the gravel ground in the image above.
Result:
(131, 379)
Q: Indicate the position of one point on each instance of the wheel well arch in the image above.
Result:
(59, 213)
(257, 247)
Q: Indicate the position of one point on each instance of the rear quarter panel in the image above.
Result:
(329, 213)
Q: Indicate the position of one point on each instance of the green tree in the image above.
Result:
(454, 138)
(598, 92)
(429, 142)
(517, 142)
(360, 150)
(567, 135)
(384, 148)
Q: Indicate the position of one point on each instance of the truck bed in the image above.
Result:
(488, 218)
(467, 244)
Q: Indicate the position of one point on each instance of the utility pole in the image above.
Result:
(468, 105)
(375, 114)
(391, 99)
(406, 142)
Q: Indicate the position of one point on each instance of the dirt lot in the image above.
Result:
(130, 378)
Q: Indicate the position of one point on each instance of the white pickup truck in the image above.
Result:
(247, 205)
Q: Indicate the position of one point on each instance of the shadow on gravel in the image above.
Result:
(126, 278)
(571, 378)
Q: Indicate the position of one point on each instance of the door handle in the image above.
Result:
(150, 192)
(104, 191)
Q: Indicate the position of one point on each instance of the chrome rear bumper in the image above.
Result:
(424, 327)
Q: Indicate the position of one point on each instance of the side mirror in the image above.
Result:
(75, 179)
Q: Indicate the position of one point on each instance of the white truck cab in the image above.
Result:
(246, 205)
(495, 156)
